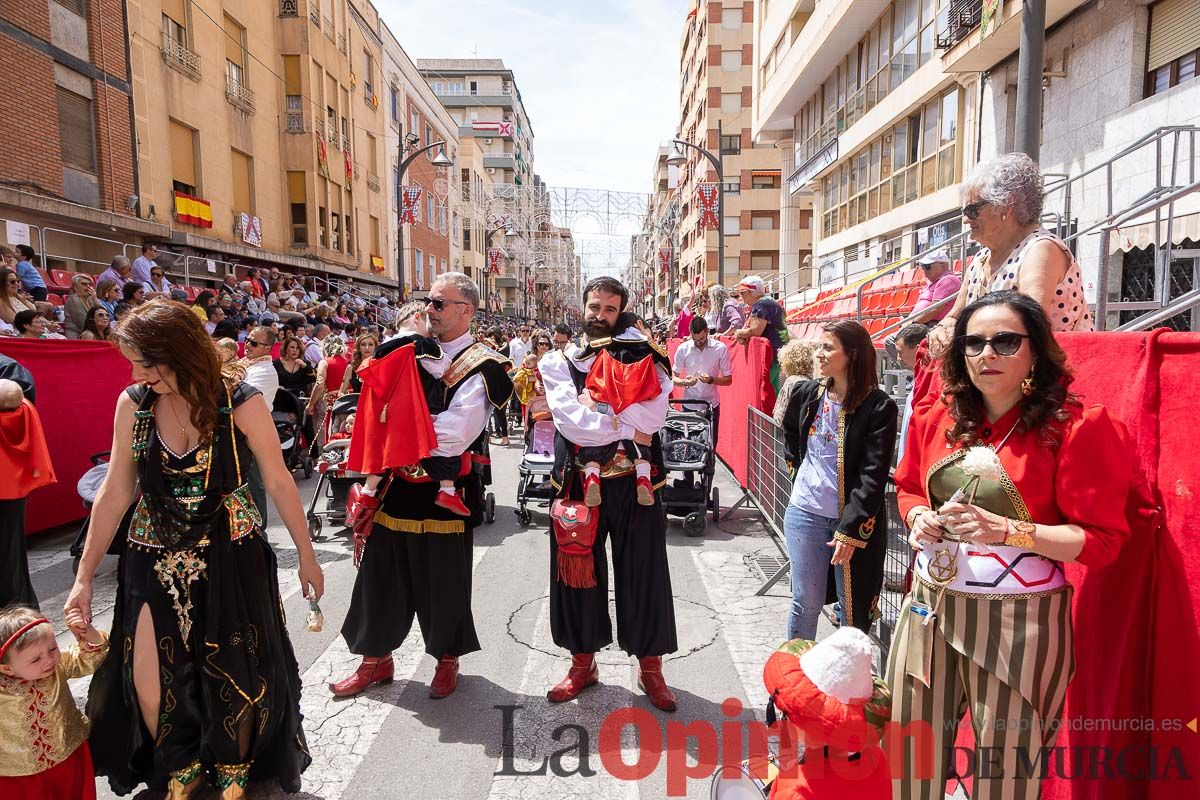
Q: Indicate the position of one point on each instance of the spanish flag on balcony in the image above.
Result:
(376, 264)
(193, 210)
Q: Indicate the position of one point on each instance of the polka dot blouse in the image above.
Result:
(1069, 309)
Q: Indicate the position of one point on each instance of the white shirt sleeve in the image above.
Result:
(649, 416)
(262, 376)
(460, 425)
(579, 424)
(724, 365)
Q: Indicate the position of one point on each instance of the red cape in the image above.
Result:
(24, 456)
(622, 385)
(393, 427)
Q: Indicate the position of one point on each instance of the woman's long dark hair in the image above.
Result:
(89, 324)
(168, 333)
(5, 295)
(205, 300)
(861, 376)
(1051, 378)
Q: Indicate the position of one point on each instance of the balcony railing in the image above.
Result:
(329, 27)
(176, 55)
(342, 42)
(288, 8)
(369, 96)
(314, 12)
(448, 91)
(331, 133)
(956, 21)
(373, 182)
(294, 122)
(237, 94)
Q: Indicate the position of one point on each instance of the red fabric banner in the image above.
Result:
(78, 384)
(708, 196)
(664, 260)
(494, 260)
(409, 197)
(751, 388)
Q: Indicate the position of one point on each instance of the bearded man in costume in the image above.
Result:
(579, 620)
(416, 553)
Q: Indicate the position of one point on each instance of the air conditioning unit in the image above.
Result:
(487, 141)
(491, 170)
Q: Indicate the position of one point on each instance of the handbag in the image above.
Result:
(574, 525)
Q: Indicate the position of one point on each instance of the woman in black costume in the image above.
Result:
(201, 682)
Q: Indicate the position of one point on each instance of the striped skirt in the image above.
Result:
(1007, 660)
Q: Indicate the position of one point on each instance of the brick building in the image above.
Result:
(69, 154)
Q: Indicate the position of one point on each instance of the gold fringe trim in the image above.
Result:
(850, 540)
(419, 525)
(981, 596)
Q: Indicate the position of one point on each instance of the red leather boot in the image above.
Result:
(581, 675)
(371, 670)
(651, 681)
(445, 679)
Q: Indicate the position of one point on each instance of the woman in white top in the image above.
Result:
(1002, 206)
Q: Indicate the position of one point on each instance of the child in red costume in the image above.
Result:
(826, 691)
(47, 758)
(621, 377)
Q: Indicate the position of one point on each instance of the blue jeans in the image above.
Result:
(808, 537)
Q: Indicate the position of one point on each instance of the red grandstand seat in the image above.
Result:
(910, 299)
(59, 279)
(55, 299)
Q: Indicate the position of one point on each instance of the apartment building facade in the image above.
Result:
(715, 97)
(482, 98)
(69, 189)
(885, 107)
(416, 119)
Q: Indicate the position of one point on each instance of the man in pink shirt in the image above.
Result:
(940, 283)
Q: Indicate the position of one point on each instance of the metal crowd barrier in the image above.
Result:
(769, 486)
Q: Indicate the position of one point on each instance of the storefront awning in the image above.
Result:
(765, 173)
(1140, 234)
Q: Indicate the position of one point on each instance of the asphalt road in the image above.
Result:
(497, 736)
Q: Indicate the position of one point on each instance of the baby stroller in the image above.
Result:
(537, 461)
(288, 413)
(688, 447)
(333, 479)
(88, 486)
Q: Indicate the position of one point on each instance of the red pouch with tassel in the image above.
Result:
(574, 526)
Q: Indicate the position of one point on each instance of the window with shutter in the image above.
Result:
(76, 131)
(76, 6)
(1174, 44)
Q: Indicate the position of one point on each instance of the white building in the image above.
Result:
(886, 106)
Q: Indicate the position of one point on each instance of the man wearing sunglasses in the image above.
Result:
(261, 374)
(940, 283)
(416, 554)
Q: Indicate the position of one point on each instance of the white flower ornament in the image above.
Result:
(982, 463)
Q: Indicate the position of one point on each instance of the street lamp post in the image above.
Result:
(677, 158)
(410, 142)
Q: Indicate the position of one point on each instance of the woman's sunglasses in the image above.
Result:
(1003, 344)
(440, 305)
(971, 210)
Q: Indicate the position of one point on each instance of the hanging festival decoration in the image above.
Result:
(410, 196)
(349, 165)
(664, 260)
(322, 158)
(708, 196)
(493, 257)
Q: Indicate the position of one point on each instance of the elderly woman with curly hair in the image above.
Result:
(1001, 483)
(1002, 206)
(796, 366)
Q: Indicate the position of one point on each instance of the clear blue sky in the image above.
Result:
(600, 78)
